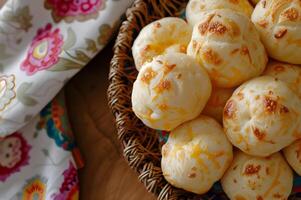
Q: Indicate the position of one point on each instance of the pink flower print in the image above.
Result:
(70, 10)
(44, 50)
(14, 153)
(69, 189)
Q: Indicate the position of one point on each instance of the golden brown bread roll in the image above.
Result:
(196, 155)
(262, 116)
(169, 34)
(170, 90)
(196, 9)
(257, 178)
(279, 25)
(227, 44)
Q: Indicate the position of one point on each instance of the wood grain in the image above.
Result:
(106, 175)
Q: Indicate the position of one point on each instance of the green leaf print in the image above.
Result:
(105, 33)
(70, 41)
(24, 18)
(82, 56)
(18, 19)
(91, 46)
(3, 53)
(65, 64)
(24, 97)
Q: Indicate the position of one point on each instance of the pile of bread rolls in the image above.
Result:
(229, 76)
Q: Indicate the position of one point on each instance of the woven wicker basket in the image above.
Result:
(141, 144)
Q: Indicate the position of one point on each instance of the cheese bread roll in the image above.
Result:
(227, 44)
(279, 25)
(169, 34)
(262, 116)
(196, 155)
(170, 90)
(216, 103)
(196, 9)
(292, 153)
(291, 74)
(257, 178)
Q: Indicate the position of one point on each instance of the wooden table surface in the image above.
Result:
(106, 175)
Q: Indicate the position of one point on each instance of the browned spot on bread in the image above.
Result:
(203, 27)
(160, 62)
(297, 134)
(234, 1)
(163, 107)
(264, 3)
(165, 150)
(279, 68)
(263, 23)
(157, 24)
(298, 152)
(267, 171)
(168, 68)
(259, 134)
(234, 51)
(291, 14)
(234, 180)
(236, 128)
(239, 197)
(193, 168)
(251, 169)
(179, 76)
(280, 33)
(270, 104)
(252, 184)
(148, 75)
(212, 57)
(230, 109)
(235, 30)
(240, 96)
(145, 49)
(283, 109)
(259, 198)
(202, 6)
(217, 27)
(163, 85)
(192, 175)
(194, 44)
(271, 92)
(235, 167)
(182, 48)
(277, 196)
(245, 51)
(268, 157)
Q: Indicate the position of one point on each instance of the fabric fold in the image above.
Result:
(42, 45)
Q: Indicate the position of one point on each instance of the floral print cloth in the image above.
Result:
(42, 45)
(36, 161)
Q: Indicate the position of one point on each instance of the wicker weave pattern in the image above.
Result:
(141, 144)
